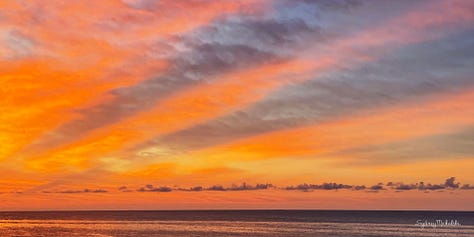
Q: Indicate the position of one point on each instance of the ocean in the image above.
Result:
(256, 223)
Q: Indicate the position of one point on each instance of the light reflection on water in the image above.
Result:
(43, 228)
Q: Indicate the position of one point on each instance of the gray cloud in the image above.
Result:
(324, 186)
(222, 47)
(18, 44)
(79, 191)
(449, 184)
(334, 4)
(398, 186)
(151, 188)
(124, 189)
(359, 187)
(377, 187)
(216, 188)
(229, 43)
(458, 144)
(244, 186)
(195, 189)
(467, 186)
(413, 73)
(142, 4)
(279, 37)
(190, 69)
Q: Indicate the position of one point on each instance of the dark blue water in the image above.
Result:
(237, 223)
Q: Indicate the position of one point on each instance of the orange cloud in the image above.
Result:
(74, 61)
(373, 127)
(236, 91)
(62, 57)
(181, 110)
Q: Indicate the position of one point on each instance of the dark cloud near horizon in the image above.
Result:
(377, 187)
(467, 186)
(124, 189)
(79, 191)
(324, 186)
(151, 188)
(449, 184)
(242, 187)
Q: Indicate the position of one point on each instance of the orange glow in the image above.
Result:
(72, 70)
(376, 127)
(179, 111)
(201, 93)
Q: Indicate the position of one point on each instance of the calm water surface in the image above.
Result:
(234, 223)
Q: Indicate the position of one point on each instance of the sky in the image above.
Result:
(162, 104)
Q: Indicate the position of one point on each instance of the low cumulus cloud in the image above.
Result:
(467, 186)
(79, 191)
(151, 188)
(124, 189)
(449, 184)
(242, 187)
(377, 187)
(324, 186)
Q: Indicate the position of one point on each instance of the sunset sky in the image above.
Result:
(143, 104)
